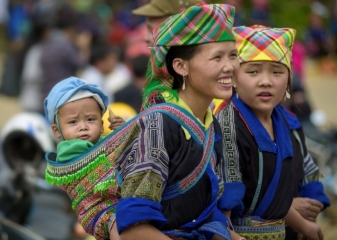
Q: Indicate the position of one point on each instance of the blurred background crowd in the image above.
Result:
(101, 41)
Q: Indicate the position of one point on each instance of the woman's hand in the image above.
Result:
(308, 208)
(236, 236)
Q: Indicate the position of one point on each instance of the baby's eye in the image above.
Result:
(91, 119)
(72, 121)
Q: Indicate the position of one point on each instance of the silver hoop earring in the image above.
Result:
(183, 87)
(288, 95)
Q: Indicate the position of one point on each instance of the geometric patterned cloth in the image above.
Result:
(202, 23)
(255, 228)
(260, 43)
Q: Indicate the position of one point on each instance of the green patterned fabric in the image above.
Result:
(199, 24)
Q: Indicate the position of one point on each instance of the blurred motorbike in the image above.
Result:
(26, 201)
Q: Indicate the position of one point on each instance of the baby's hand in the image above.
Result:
(115, 121)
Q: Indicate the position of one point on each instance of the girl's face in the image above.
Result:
(211, 71)
(262, 85)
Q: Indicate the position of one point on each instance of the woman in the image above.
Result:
(270, 157)
(188, 77)
(169, 158)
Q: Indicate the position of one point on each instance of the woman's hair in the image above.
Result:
(184, 52)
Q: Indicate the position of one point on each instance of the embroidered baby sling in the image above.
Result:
(91, 179)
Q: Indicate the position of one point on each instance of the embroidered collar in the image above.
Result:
(182, 104)
(262, 138)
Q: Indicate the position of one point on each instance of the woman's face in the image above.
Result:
(211, 71)
(262, 85)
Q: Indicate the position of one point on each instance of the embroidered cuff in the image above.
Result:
(315, 190)
(133, 210)
(231, 200)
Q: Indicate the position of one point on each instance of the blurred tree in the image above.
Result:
(285, 13)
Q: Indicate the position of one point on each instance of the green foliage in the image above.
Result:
(284, 13)
(290, 13)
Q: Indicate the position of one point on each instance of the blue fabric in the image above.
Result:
(315, 190)
(218, 216)
(217, 137)
(205, 232)
(64, 90)
(134, 210)
(232, 199)
(283, 147)
(212, 206)
(291, 118)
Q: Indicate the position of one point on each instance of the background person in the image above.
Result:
(157, 11)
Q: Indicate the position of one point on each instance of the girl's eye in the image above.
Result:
(278, 72)
(252, 72)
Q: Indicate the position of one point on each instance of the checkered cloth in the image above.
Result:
(260, 43)
(202, 23)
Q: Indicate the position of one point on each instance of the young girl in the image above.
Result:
(273, 161)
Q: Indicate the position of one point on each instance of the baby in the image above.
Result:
(74, 109)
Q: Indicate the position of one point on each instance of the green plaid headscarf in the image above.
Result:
(202, 23)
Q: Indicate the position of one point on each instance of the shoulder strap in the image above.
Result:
(191, 179)
(181, 116)
(259, 184)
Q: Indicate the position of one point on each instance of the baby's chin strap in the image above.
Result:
(57, 120)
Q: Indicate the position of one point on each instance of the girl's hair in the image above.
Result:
(184, 52)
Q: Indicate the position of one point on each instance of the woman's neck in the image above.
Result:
(198, 105)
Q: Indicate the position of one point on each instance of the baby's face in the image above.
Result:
(81, 119)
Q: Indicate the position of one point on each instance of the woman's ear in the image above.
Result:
(179, 66)
(55, 130)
